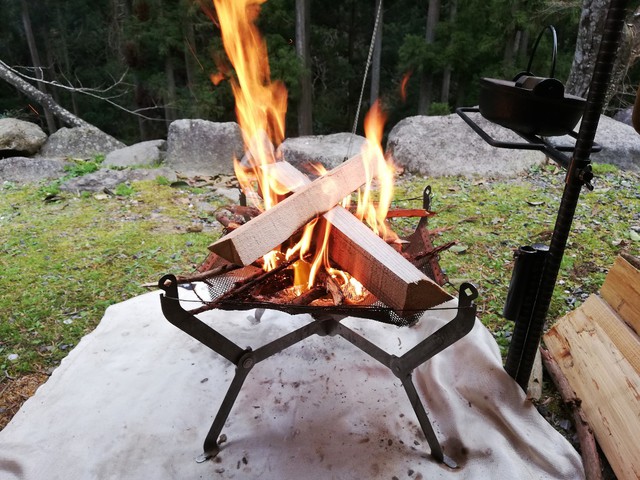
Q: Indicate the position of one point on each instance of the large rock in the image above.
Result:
(141, 154)
(620, 144)
(200, 147)
(110, 179)
(445, 145)
(20, 137)
(624, 115)
(79, 142)
(329, 150)
(30, 170)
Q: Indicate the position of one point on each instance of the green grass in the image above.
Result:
(63, 262)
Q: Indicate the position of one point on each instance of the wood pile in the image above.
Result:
(385, 271)
(597, 348)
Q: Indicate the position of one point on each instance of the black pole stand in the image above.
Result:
(531, 325)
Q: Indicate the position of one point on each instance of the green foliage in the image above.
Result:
(163, 181)
(439, 109)
(417, 55)
(124, 190)
(81, 167)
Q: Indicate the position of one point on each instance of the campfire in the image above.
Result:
(324, 242)
(316, 242)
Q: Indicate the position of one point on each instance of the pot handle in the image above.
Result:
(554, 52)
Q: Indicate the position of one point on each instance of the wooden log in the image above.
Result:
(624, 338)
(381, 269)
(621, 290)
(378, 266)
(605, 382)
(588, 446)
(271, 228)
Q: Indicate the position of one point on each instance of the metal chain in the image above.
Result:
(364, 78)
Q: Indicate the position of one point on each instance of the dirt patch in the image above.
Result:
(14, 392)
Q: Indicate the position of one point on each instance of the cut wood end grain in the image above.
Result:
(621, 290)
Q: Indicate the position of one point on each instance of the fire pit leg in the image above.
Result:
(211, 448)
(425, 423)
(403, 367)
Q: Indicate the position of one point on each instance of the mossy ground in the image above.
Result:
(65, 258)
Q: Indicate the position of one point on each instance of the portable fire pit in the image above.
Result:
(401, 282)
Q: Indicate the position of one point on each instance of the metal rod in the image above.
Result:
(578, 175)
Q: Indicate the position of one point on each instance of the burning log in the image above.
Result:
(379, 267)
(271, 228)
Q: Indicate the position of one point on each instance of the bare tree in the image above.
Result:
(44, 99)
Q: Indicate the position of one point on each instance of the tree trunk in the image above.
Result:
(590, 30)
(305, 116)
(189, 53)
(377, 55)
(170, 100)
(47, 102)
(351, 40)
(66, 64)
(448, 69)
(35, 60)
(426, 78)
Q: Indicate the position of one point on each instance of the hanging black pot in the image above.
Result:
(530, 104)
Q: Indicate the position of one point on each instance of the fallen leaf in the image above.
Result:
(179, 183)
(52, 198)
(195, 228)
(459, 248)
(634, 236)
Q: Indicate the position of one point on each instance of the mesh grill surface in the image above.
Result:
(378, 311)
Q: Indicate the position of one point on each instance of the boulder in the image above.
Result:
(620, 144)
(109, 179)
(624, 115)
(437, 146)
(329, 150)
(79, 142)
(140, 154)
(20, 137)
(30, 170)
(200, 147)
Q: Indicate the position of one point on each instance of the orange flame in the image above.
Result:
(216, 78)
(403, 85)
(260, 109)
(261, 105)
(376, 214)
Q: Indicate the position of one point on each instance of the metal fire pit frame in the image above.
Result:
(245, 358)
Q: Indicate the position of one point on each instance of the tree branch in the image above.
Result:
(91, 92)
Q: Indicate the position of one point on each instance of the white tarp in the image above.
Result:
(136, 397)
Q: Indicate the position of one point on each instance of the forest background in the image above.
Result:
(131, 67)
